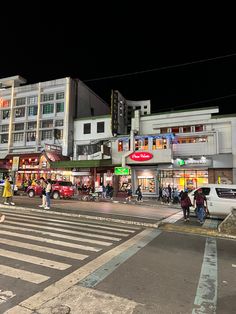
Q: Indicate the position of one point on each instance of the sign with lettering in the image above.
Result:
(121, 171)
(141, 156)
(15, 163)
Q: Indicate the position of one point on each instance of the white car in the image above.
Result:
(15, 188)
(221, 198)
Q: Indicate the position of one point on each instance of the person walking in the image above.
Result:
(129, 193)
(48, 194)
(200, 201)
(7, 192)
(185, 203)
(139, 193)
(43, 185)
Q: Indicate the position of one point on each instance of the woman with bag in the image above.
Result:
(185, 203)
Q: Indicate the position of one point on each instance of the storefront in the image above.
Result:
(147, 178)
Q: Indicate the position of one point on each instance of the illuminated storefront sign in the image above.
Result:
(121, 171)
(141, 156)
(192, 162)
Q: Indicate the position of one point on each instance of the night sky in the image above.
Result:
(91, 41)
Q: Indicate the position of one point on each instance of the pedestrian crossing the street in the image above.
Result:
(37, 250)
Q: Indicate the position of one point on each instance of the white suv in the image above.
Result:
(221, 198)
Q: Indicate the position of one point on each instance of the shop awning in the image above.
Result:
(81, 164)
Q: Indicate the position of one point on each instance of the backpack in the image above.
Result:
(185, 202)
(200, 199)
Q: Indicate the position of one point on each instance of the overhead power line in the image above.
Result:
(160, 68)
(199, 102)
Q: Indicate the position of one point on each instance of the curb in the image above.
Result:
(195, 230)
(98, 218)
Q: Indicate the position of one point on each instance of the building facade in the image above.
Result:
(183, 149)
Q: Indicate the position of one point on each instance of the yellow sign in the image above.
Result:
(15, 163)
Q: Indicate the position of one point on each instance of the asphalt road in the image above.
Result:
(99, 267)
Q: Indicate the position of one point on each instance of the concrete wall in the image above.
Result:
(88, 103)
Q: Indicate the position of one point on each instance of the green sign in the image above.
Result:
(121, 171)
(181, 162)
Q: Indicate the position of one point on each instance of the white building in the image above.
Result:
(183, 149)
(43, 113)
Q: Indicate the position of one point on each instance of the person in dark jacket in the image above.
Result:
(185, 203)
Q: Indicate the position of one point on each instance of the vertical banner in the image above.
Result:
(15, 163)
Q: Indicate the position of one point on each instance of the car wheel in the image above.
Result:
(31, 193)
(56, 195)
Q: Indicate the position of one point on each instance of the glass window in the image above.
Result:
(120, 146)
(5, 128)
(226, 193)
(47, 97)
(4, 138)
(18, 137)
(31, 125)
(5, 114)
(60, 95)
(32, 100)
(157, 143)
(175, 129)
(164, 130)
(59, 123)
(205, 191)
(20, 113)
(48, 108)
(4, 103)
(20, 101)
(30, 136)
(198, 128)
(186, 129)
(47, 124)
(60, 107)
(58, 134)
(47, 135)
(19, 126)
(87, 128)
(100, 127)
(32, 111)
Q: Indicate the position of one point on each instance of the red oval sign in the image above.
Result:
(141, 156)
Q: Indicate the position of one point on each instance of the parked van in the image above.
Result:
(221, 198)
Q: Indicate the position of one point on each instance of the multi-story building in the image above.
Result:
(183, 149)
(39, 116)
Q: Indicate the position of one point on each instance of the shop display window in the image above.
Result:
(147, 183)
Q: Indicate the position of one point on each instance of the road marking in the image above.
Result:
(22, 274)
(116, 226)
(40, 239)
(206, 296)
(34, 259)
(43, 249)
(173, 218)
(5, 295)
(50, 292)
(101, 273)
(80, 228)
(57, 235)
(90, 235)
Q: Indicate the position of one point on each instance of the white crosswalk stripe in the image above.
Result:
(25, 259)
(33, 259)
(22, 274)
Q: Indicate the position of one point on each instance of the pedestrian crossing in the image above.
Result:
(36, 248)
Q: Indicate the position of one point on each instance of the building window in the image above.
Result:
(47, 135)
(30, 136)
(18, 137)
(20, 101)
(20, 113)
(4, 103)
(186, 129)
(100, 127)
(32, 111)
(58, 134)
(32, 100)
(158, 143)
(31, 125)
(87, 128)
(59, 123)
(120, 146)
(60, 107)
(47, 97)
(198, 128)
(19, 127)
(5, 128)
(4, 138)
(5, 114)
(48, 108)
(47, 124)
(60, 95)
(141, 144)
